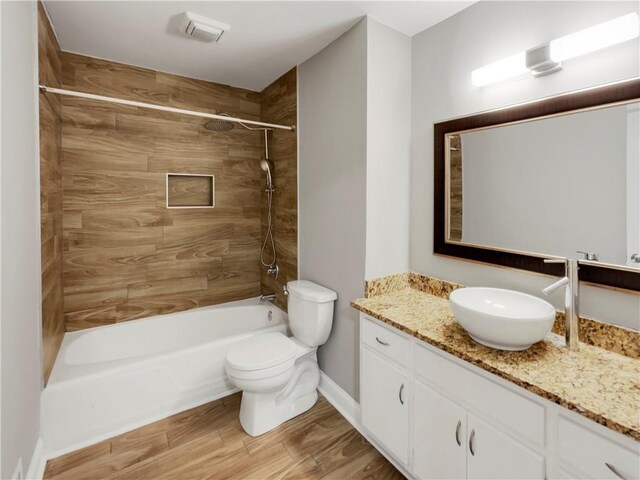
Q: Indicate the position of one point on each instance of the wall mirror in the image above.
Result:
(553, 177)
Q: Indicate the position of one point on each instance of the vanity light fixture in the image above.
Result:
(548, 58)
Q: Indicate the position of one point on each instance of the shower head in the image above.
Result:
(218, 125)
(265, 165)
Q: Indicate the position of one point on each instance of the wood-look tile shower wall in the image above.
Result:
(50, 73)
(125, 255)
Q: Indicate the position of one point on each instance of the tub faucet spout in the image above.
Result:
(268, 298)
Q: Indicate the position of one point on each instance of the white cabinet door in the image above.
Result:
(384, 401)
(439, 435)
(492, 454)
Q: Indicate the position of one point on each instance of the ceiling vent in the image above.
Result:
(202, 28)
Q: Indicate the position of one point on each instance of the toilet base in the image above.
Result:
(261, 412)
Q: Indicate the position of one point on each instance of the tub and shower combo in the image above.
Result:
(112, 379)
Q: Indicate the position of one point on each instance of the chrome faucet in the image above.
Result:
(571, 299)
(268, 298)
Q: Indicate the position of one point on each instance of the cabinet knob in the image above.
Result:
(382, 342)
(400, 394)
(458, 433)
(615, 471)
(471, 438)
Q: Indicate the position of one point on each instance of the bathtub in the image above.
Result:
(112, 379)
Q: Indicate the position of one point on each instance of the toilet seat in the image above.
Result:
(261, 356)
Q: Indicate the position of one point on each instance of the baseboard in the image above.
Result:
(350, 410)
(38, 462)
(17, 472)
(341, 400)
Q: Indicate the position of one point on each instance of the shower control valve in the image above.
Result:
(273, 270)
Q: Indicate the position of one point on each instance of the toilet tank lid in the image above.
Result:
(310, 291)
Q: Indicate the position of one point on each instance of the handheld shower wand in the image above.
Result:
(265, 165)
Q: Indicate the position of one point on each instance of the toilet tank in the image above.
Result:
(310, 311)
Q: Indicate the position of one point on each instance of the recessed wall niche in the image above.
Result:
(187, 190)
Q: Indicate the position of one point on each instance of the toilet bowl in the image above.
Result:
(279, 375)
(262, 364)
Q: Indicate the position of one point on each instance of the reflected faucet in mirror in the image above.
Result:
(571, 299)
(588, 255)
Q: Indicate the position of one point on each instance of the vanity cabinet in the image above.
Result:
(384, 387)
(436, 416)
(385, 407)
(440, 435)
(450, 442)
(491, 454)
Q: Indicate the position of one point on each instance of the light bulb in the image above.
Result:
(499, 71)
(595, 38)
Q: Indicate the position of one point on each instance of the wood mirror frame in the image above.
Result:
(598, 273)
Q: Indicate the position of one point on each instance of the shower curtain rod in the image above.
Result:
(151, 106)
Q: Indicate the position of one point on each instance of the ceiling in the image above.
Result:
(266, 38)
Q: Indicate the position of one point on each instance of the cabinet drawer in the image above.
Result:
(515, 412)
(385, 341)
(589, 452)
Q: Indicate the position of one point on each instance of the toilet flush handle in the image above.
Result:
(285, 290)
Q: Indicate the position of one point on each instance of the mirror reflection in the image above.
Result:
(552, 186)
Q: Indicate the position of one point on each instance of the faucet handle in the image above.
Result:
(588, 255)
(556, 285)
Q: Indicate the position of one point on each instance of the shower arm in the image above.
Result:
(266, 131)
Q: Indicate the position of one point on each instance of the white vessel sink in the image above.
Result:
(502, 319)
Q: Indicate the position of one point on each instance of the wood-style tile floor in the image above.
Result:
(208, 442)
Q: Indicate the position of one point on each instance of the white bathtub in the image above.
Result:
(112, 379)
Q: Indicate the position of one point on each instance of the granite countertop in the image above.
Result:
(601, 385)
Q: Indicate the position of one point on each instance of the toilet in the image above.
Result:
(279, 375)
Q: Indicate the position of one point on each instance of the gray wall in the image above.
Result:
(19, 238)
(354, 101)
(443, 58)
(332, 119)
(516, 193)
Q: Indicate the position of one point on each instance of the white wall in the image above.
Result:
(20, 372)
(519, 188)
(388, 149)
(354, 123)
(332, 120)
(443, 58)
